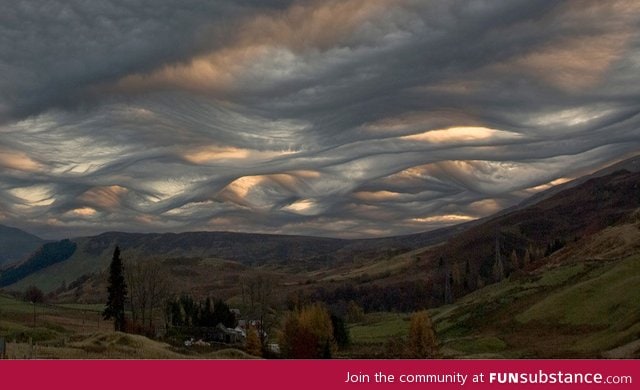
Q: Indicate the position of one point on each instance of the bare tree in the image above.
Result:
(259, 298)
(148, 289)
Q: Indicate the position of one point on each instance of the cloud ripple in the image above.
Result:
(336, 118)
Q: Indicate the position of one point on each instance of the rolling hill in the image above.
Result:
(15, 244)
(571, 216)
(295, 253)
(524, 237)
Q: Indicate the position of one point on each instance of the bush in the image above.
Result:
(33, 294)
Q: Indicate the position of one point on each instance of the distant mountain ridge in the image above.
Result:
(579, 208)
(92, 254)
(16, 244)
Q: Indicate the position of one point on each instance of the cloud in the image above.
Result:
(337, 118)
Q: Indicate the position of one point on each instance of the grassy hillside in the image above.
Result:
(578, 310)
(291, 254)
(570, 310)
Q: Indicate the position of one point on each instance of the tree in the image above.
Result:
(514, 261)
(422, 337)
(307, 333)
(117, 290)
(355, 313)
(148, 290)
(467, 283)
(526, 259)
(253, 345)
(497, 271)
(33, 294)
(340, 331)
(259, 298)
(222, 315)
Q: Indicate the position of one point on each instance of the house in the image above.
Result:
(222, 334)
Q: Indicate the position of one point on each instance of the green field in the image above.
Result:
(581, 310)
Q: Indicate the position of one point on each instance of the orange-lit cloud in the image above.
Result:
(550, 184)
(324, 117)
(461, 134)
(209, 154)
(104, 197)
(581, 61)
(443, 219)
(304, 207)
(430, 120)
(38, 195)
(84, 212)
(241, 187)
(318, 25)
(376, 196)
(18, 160)
(573, 64)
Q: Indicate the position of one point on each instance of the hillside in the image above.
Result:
(632, 165)
(16, 244)
(45, 256)
(583, 309)
(294, 254)
(535, 232)
(579, 302)
(556, 229)
(381, 274)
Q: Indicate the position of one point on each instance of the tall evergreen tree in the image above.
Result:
(117, 293)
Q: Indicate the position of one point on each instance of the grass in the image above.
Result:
(604, 299)
(569, 310)
(478, 345)
(377, 328)
(98, 307)
(67, 332)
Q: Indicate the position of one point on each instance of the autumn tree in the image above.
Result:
(307, 333)
(422, 337)
(117, 290)
(253, 346)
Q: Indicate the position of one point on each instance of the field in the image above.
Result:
(76, 331)
(585, 309)
(579, 310)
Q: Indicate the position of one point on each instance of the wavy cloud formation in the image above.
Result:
(351, 118)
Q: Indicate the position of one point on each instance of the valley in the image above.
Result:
(553, 279)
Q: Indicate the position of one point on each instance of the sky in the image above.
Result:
(350, 118)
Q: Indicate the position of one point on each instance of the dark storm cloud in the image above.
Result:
(341, 118)
(52, 51)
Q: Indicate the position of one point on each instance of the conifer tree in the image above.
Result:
(117, 293)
